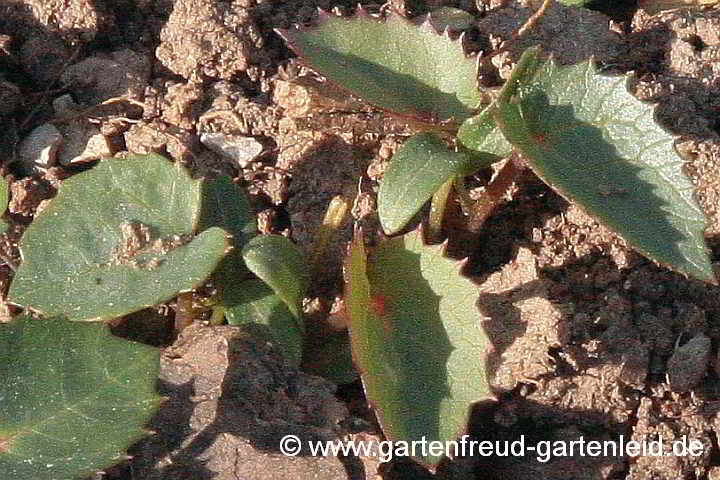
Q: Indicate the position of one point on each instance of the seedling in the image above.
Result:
(413, 325)
(127, 234)
(136, 232)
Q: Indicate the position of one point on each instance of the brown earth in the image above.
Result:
(590, 338)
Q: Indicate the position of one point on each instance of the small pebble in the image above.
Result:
(242, 150)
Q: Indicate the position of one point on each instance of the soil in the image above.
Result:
(589, 338)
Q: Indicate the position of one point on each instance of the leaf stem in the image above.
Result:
(437, 211)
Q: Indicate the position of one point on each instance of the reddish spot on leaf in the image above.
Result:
(5, 444)
(539, 138)
(379, 306)
(378, 303)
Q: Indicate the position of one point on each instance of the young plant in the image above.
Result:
(127, 234)
(415, 336)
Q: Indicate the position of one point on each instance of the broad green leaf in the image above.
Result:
(393, 64)
(252, 301)
(417, 170)
(416, 339)
(282, 265)
(590, 139)
(72, 397)
(116, 239)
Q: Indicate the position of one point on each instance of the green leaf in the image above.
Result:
(575, 3)
(4, 201)
(482, 135)
(254, 302)
(72, 397)
(4, 194)
(418, 169)
(416, 339)
(281, 264)
(225, 205)
(116, 239)
(590, 139)
(393, 64)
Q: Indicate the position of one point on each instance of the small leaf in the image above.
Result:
(4, 194)
(590, 139)
(393, 64)
(575, 3)
(482, 135)
(416, 339)
(4, 201)
(116, 239)
(418, 169)
(252, 301)
(225, 205)
(281, 264)
(73, 397)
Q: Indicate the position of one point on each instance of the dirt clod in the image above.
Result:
(687, 366)
(237, 398)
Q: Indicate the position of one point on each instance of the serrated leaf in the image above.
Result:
(116, 239)
(252, 301)
(417, 170)
(393, 64)
(72, 397)
(416, 339)
(590, 139)
(281, 264)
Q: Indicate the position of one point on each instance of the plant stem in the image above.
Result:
(437, 211)
(529, 24)
(534, 18)
(334, 218)
(493, 193)
(184, 314)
